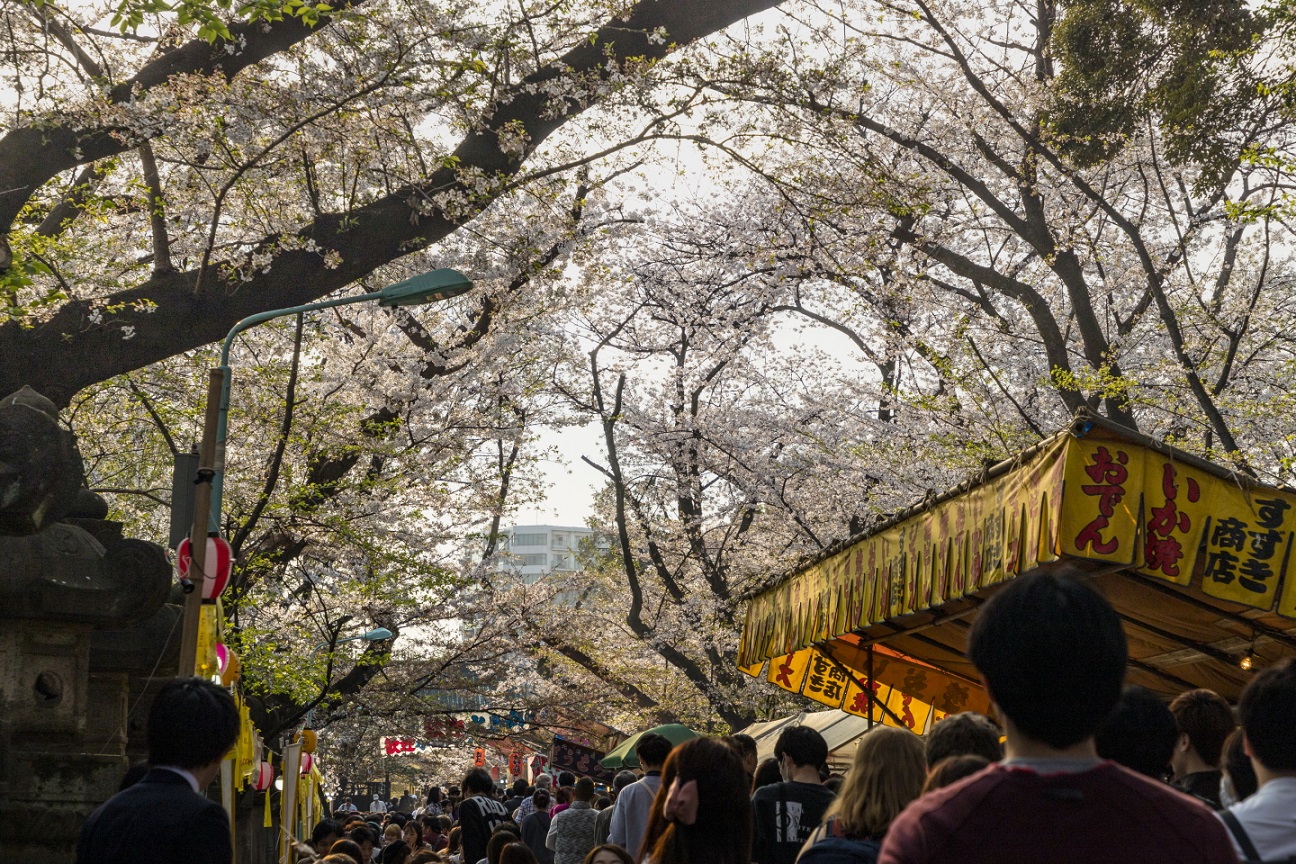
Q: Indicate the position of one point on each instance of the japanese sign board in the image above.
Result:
(1097, 498)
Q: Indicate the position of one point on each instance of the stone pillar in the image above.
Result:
(65, 572)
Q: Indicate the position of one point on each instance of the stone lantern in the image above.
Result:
(81, 614)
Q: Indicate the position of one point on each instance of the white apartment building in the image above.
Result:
(540, 549)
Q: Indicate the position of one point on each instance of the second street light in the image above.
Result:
(424, 288)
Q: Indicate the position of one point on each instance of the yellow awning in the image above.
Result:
(1196, 559)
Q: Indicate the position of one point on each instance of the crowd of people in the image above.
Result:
(1077, 768)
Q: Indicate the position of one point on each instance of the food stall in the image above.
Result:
(1195, 557)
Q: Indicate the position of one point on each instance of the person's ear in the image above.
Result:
(1246, 747)
(1183, 743)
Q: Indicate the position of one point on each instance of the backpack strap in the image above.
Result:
(1249, 851)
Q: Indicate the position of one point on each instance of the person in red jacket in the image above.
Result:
(1052, 654)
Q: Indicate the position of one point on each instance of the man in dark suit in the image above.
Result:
(165, 818)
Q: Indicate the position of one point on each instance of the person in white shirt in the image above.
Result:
(1263, 826)
(377, 805)
(634, 804)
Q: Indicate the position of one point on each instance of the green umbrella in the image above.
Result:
(624, 756)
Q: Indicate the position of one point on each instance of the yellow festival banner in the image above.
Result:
(1100, 498)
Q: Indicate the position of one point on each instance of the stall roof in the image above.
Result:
(839, 729)
(1195, 557)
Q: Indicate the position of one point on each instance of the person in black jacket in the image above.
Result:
(478, 814)
(165, 818)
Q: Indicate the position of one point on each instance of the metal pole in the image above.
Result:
(198, 531)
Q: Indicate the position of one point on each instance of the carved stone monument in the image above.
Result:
(84, 631)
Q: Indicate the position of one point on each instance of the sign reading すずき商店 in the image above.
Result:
(1099, 498)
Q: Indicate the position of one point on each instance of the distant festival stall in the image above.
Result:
(1195, 557)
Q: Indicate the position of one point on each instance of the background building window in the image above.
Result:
(530, 539)
(534, 559)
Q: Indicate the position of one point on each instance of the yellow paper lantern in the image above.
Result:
(308, 740)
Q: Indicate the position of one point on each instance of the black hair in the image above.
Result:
(519, 787)
(1053, 656)
(192, 723)
(566, 778)
(394, 852)
(745, 744)
(325, 828)
(1268, 711)
(1238, 767)
(622, 780)
(1205, 717)
(805, 746)
(362, 834)
(652, 749)
(541, 799)
(961, 734)
(584, 790)
(477, 781)
(1140, 733)
(767, 773)
(498, 840)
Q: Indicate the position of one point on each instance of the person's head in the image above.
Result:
(566, 778)
(413, 833)
(608, 853)
(800, 747)
(702, 813)
(477, 782)
(544, 781)
(621, 781)
(1139, 733)
(454, 840)
(951, 769)
(495, 845)
(350, 849)
(192, 725)
(1267, 709)
(1239, 781)
(391, 833)
(746, 747)
(446, 823)
(338, 858)
(1052, 653)
(886, 774)
(366, 839)
(583, 790)
(767, 773)
(967, 732)
(517, 853)
(351, 821)
(519, 788)
(542, 800)
(397, 818)
(652, 750)
(1204, 720)
(395, 852)
(425, 856)
(563, 795)
(602, 802)
(325, 833)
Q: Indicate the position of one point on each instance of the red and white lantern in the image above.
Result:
(307, 761)
(217, 567)
(262, 776)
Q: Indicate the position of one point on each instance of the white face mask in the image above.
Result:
(1227, 798)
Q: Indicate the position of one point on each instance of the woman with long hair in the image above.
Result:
(888, 772)
(702, 812)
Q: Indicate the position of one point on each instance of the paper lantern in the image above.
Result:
(233, 670)
(262, 776)
(309, 740)
(217, 567)
(307, 760)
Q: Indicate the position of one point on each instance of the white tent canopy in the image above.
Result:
(839, 729)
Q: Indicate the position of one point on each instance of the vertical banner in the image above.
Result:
(288, 801)
(227, 797)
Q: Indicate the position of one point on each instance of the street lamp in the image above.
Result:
(377, 634)
(429, 287)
